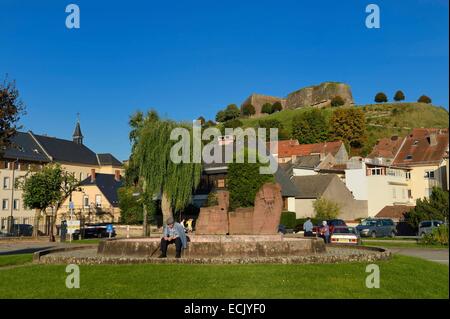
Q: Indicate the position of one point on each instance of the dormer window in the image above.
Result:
(416, 142)
(409, 157)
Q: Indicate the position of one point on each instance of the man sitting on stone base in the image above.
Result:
(173, 233)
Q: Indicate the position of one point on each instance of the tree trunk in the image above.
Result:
(37, 215)
(52, 226)
(144, 223)
(166, 208)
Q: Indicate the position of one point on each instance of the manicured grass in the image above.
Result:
(13, 260)
(401, 277)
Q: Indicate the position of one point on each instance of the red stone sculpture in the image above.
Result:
(262, 219)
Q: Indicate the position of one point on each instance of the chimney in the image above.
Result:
(117, 175)
(92, 175)
(432, 139)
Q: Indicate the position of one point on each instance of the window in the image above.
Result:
(5, 204)
(98, 200)
(5, 182)
(376, 171)
(16, 204)
(409, 157)
(86, 201)
(409, 193)
(220, 183)
(425, 224)
(388, 222)
(429, 174)
(408, 175)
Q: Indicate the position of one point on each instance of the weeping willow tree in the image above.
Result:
(174, 182)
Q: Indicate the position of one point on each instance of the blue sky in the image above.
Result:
(191, 58)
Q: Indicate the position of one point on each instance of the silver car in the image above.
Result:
(427, 226)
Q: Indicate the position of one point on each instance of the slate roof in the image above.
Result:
(25, 148)
(386, 147)
(395, 212)
(312, 186)
(77, 132)
(67, 151)
(290, 148)
(107, 185)
(419, 148)
(108, 159)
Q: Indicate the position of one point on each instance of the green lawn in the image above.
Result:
(401, 277)
(14, 260)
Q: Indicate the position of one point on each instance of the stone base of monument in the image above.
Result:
(217, 246)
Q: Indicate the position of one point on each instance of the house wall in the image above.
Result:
(379, 190)
(92, 191)
(304, 207)
(291, 204)
(341, 156)
(420, 185)
(6, 194)
(350, 207)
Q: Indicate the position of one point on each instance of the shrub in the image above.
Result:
(267, 108)
(424, 99)
(288, 219)
(277, 107)
(248, 110)
(439, 236)
(337, 101)
(273, 123)
(326, 209)
(212, 199)
(381, 97)
(399, 96)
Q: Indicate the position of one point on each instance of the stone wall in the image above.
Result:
(258, 100)
(319, 95)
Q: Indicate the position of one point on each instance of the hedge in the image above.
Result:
(288, 219)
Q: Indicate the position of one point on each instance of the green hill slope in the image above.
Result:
(383, 120)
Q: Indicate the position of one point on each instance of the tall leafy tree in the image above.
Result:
(267, 108)
(277, 107)
(399, 96)
(381, 98)
(424, 99)
(175, 182)
(11, 109)
(433, 208)
(349, 125)
(248, 110)
(310, 127)
(47, 188)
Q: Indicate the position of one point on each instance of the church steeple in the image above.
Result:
(77, 135)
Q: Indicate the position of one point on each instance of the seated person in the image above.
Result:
(173, 233)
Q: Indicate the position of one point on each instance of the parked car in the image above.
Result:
(345, 235)
(427, 226)
(18, 230)
(377, 228)
(332, 223)
(22, 230)
(94, 231)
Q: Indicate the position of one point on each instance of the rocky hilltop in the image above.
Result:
(258, 100)
(319, 95)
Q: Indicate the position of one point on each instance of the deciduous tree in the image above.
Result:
(310, 127)
(381, 98)
(11, 109)
(349, 125)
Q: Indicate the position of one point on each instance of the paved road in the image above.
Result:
(436, 255)
(10, 247)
